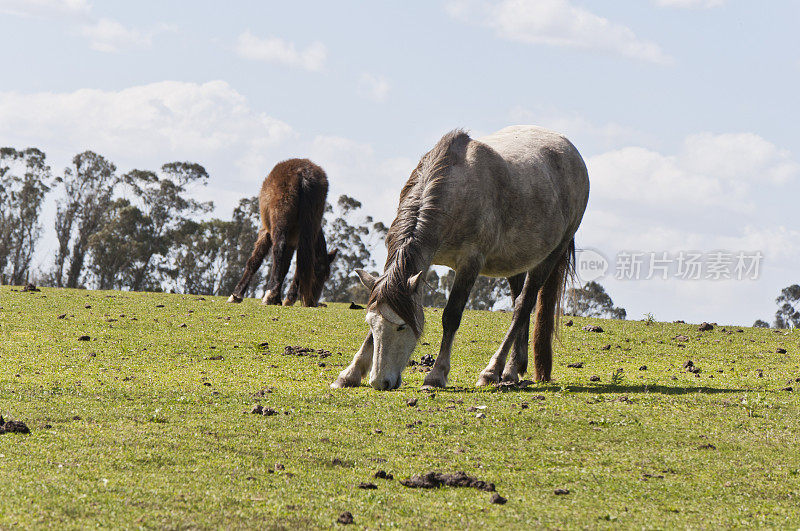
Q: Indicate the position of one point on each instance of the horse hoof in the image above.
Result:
(341, 383)
(234, 298)
(287, 302)
(510, 378)
(430, 383)
(486, 380)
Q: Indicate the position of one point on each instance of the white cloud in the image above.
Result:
(277, 50)
(556, 23)
(576, 127)
(106, 35)
(723, 171)
(43, 7)
(732, 192)
(372, 87)
(691, 4)
(146, 126)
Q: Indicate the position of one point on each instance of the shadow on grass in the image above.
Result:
(599, 389)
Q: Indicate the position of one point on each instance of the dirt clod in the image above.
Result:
(30, 287)
(367, 486)
(215, 358)
(780, 350)
(594, 378)
(569, 323)
(84, 338)
(681, 337)
(62, 316)
(346, 518)
(306, 351)
(704, 327)
(592, 328)
(576, 365)
(433, 480)
(643, 368)
(707, 446)
(497, 499)
(561, 492)
(411, 402)
(354, 306)
(268, 412)
(13, 426)
(258, 409)
(382, 474)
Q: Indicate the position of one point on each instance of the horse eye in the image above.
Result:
(401, 328)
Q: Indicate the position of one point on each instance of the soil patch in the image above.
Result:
(306, 352)
(433, 480)
(13, 426)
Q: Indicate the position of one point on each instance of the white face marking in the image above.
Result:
(394, 342)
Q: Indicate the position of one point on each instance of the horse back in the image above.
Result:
(280, 201)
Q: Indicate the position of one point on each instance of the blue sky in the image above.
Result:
(685, 110)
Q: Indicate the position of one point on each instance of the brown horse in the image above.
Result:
(291, 204)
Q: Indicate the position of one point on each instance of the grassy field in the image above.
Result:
(147, 424)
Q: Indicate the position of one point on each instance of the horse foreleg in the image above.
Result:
(358, 368)
(451, 320)
(522, 312)
(291, 295)
(260, 250)
(517, 362)
(281, 258)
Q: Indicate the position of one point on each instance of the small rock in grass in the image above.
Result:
(84, 338)
(367, 486)
(681, 337)
(561, 492)
(497, 499)
(594, 378)
(411, 402)
(346, 518)
(704, 327)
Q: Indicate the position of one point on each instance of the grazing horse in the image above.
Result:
(505, 205)
(291, 203)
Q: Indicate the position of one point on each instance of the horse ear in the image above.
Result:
(415, 282)
(332, 255)
(366, 279)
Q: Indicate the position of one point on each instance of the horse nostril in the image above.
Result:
(397, 384)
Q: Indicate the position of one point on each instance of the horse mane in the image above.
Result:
(417, 228)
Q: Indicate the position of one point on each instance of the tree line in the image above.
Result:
(142, 231)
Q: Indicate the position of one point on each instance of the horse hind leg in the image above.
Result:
(547, 307)
(260, 250)
(522, 310)
(517, 362)
(281, 259)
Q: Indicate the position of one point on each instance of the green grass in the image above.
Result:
(137, 439)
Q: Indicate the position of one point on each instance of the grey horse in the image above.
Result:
(504, 205)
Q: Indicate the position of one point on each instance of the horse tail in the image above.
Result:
(548, 312)
(311, 204)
